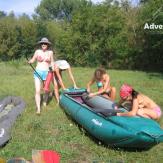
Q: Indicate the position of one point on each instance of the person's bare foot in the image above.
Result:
(44, 104)
(38, 113)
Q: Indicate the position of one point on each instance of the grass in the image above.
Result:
(56, 131)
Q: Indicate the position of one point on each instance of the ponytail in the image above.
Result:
(134, 94)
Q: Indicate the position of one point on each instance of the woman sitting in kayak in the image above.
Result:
(141, 105)
(102, 80)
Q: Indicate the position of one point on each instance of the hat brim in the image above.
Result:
(41, 42)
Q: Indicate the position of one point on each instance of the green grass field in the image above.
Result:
(54, 130)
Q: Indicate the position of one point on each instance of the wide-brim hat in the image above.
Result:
(62, 64)
(44, 40)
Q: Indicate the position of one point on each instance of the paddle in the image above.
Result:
(34, 69)
(18, 160)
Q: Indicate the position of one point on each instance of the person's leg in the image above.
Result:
(48, 78)
(37, 94)
(147, 113)
(106, 96)
(58, 74)
(56, 90)
(45, 98)
(113, 93)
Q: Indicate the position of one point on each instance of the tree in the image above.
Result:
(151, 12)
(2, 14)
(58, 9)
(17, 37)
(95, 36)
(9, 47)
(11, 14)
(27, 31)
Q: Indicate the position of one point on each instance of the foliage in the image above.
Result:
(58, 9)
(97, 35)
(2, 14)
(28, 35)
(110, 34)
(151, 12)
(9, 46)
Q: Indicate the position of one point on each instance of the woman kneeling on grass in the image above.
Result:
(102, 80)
(141, 105)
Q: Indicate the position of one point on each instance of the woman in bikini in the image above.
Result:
(44, 58)
(141, 105)
(102, 80)
(60, 66)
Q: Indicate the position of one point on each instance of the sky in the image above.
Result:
(28, 6)
(19, 6)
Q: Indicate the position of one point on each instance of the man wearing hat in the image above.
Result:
(44, 58)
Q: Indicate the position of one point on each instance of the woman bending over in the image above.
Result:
(141, 104)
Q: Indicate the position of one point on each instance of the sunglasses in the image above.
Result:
(44, 44)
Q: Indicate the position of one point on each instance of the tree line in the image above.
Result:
(110, 34)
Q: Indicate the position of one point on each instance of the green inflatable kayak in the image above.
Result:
(98, 117)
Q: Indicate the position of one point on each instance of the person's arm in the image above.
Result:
(71, 77)
(89, 84)
(133, 111)
(32, 60)
(52, 59)
(120, 102)
(104, 89)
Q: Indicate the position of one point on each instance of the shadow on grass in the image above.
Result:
(154, 75)
(4, 145)
(114, 147)
(46, 98)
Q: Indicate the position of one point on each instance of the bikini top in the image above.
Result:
(99, 84)
(44, 58)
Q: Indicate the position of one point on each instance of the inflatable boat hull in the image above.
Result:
(126, 132)
(9, 116)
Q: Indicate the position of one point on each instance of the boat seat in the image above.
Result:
(100, 105)
(105, 112)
